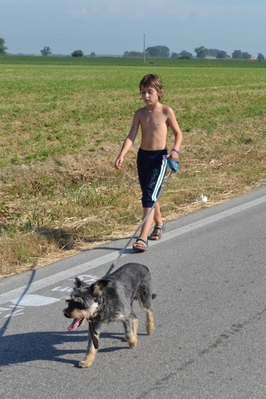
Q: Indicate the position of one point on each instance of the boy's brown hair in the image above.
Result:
(152, 81)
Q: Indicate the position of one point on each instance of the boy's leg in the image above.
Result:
(150, 185)
(157, 215)
(147, 225)
(159, 226)
(140, 245)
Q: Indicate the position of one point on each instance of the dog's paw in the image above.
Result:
(83, 364)
(149, 328)
(132, 343)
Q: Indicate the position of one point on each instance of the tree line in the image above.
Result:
(46, 51)
(159, 52)
(201, 52)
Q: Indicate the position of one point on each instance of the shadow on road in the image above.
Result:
(50, 346)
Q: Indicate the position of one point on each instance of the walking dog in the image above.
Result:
(111, 299)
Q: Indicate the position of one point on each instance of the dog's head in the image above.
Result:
(84, 302)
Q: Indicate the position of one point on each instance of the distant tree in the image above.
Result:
(222, 54)
(174, 55)
(93, 54)
(212, 52)
(237, 54)
(246, 55)
(158, 51)
(260, 57)
(241, 55)
(184, 54)
(3, 48)
(46, 51)
(201, 52)
(77, 53)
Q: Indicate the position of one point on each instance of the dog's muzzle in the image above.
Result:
(66, 314)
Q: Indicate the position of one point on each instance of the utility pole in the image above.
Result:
(144, 48)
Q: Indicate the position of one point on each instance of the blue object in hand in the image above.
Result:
(174, 166)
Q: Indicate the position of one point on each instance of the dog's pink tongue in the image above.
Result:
(74, 324)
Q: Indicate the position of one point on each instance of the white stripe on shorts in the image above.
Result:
(159, 180)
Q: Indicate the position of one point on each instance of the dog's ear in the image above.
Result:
(97, 288)
(77, 299)
(79, 283)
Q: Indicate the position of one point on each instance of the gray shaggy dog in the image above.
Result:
(111, 299)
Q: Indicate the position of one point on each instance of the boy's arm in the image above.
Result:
(128, 141)
(178, 136)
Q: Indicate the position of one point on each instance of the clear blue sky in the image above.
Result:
(115, 26)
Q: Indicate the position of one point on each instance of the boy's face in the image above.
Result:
(149, 95)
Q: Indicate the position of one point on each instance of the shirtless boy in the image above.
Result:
(154, 120)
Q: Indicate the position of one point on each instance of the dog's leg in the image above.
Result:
(89, 358)
(149, 321)
(131, 330)
(91, 351)
(144, 296)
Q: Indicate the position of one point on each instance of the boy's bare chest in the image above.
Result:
(153, 120)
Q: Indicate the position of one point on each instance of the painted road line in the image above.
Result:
(214, 218)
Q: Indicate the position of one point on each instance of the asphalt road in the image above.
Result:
(209, 274)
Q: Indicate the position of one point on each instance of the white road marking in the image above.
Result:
(34, 300)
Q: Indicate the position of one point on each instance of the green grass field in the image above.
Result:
(63, 121)
(121, 61)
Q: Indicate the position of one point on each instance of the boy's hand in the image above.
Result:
(173, 155)
(118, 163)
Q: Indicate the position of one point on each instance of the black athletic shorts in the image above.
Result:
(151, 170)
